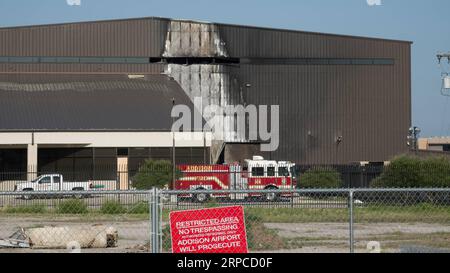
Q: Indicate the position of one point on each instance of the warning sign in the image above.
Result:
(217, 230)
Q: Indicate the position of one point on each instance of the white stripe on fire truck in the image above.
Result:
(215, 179)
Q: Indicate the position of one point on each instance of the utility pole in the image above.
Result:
(204, 147)
(173, 150)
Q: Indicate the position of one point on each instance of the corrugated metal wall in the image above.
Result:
(368, 105)
(267, 43)
(81, 68)
(320, 103)
(137, 37)
(121, 38)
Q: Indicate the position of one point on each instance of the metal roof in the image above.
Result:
(156, 18)
(88, 102)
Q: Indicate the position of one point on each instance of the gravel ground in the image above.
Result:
(393, 237)
(312, 237)
(341, 230)
(133, 235)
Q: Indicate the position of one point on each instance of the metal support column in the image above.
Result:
(350, 210)
(154, 220)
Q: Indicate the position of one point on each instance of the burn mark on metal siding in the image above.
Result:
(196, 57)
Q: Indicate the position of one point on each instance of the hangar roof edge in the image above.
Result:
(215, 23)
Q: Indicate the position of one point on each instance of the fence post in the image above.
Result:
(292, 186)
(154, 218)
(350, 211)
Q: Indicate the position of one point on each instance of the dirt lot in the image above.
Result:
(133, 234)
(393, 237)
(301, 237)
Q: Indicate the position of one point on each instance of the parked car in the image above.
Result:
(52, 183)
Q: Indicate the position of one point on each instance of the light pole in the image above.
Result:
(413, 138)
(445, 90)
(173, 149)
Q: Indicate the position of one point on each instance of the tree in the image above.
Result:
(320, 177)
(403, 172)
(154, 173)
(413, 172)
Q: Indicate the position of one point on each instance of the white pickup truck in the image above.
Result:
(52, 183)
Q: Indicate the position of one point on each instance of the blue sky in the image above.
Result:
(421, 21)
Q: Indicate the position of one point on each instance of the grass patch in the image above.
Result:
(112, 207)
(423, 213)
(139, 208)
(259, 237)
(73, 206)
(301, 242)
(28, 209)
(298, 215)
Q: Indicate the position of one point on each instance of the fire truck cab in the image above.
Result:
(254, 174)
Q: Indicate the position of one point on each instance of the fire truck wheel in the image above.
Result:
(201, 197)
(271, 196)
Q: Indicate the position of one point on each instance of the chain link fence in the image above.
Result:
(122, 177)
(285, 225)
(298, 221)
(107, 221)
(402, 220)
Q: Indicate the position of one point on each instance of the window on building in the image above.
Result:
(318, 61)
(114, 60)
(48, 59)
(161, 153)
(206, 60)
(340, 61)
(91, 60)
(23, 59)
(68, 60)
(183, 156)
(13, 164)
(136, 157)
(138, 60)
(122, 152)
(383, 61)
(362, 61)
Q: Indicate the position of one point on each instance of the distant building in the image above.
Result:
(435, 144)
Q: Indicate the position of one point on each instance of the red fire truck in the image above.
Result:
(255, 174)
